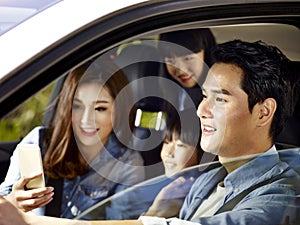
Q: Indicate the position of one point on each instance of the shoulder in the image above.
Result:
(132, 157)
(33, 136)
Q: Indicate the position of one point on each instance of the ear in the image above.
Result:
(266, 111)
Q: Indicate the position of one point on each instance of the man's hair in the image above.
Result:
(265, 75)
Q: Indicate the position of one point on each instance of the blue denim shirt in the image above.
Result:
(113, 170)
(269, 204)
(276, 203)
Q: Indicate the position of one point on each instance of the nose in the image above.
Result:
(204, 109)
(169, 151)
(87, 117)
(179, 66)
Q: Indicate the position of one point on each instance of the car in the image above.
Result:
(49, 40)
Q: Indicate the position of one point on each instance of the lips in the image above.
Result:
(208, 130)
(184, 78)
(89, 132)
(170, 165)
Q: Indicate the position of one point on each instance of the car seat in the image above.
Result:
(290, 135)
(140, 63)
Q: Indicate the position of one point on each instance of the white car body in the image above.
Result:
(43, 29)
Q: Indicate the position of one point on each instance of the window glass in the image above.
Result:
(285, 37)
(30, 114)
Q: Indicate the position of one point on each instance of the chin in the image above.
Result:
(211, 149)
(170, 173)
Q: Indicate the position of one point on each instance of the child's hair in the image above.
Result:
(185, 126)
(193, 40)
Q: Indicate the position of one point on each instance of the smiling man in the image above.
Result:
(246, 100)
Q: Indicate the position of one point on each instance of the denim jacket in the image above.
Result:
(113, 170)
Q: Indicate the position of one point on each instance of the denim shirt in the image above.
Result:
(272, 204)
(269, 204)
(113, 170)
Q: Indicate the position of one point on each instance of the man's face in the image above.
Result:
(226, 122)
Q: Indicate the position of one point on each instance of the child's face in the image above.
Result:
(186, 69)
(177, 155)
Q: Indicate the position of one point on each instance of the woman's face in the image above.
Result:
(186, 69)
(92, 115)
(177, 155)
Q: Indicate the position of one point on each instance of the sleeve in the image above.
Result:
(122, 207)
(13, 173)
(132, 167)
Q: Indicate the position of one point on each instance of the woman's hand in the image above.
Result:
(169, 200)
(27, 200)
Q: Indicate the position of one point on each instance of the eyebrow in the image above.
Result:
(95, 102)
(218, 91)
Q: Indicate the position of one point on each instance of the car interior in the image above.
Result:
(276, 34)
(139, 58)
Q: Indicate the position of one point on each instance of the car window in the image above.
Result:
(147, 190)
(17, 125)
(140, 58)
(281, 35)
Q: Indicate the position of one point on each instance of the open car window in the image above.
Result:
(142, 195)
(275, 34)
(138, 52)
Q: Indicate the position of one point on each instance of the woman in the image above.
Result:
(81, 146)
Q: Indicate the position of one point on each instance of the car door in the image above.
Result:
(275, 22)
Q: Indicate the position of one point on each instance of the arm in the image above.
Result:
(13, 186)
(127, 206)
(10, 215)
(170, 199)
(46, 220)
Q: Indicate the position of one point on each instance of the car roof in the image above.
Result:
(40, 50)
(16, 44)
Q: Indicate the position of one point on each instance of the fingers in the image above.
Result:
(27, 200)
(178, 188)
(37, 202)
(34, 193)
(21, 184)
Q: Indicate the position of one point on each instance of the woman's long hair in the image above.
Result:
(63, 158)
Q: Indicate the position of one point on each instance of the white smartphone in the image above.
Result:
(30, 161)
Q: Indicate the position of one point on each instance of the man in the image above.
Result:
(246, 97)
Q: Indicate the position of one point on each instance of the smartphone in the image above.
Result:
(30, 161)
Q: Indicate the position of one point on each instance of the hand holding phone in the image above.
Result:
(30, 161)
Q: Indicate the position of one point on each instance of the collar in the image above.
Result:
(111, 150)
(260, 168)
